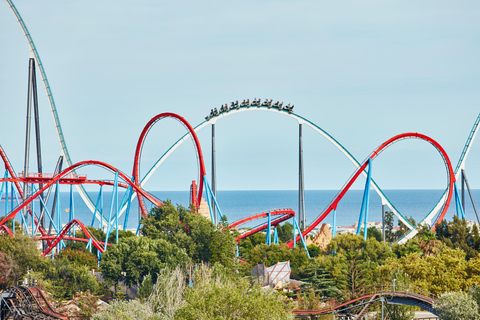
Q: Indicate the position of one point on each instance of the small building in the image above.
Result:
(276, 274)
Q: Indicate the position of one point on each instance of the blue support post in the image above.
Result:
(238, 253)
(365, 202)
(47, 212)
(116, 208)
(295, 225)
(6, 195)
(99, 208)
(6, 198)
(11, 205)
(458, 204)
(18, 202)
(334, 227)
(138, 228)
(72, 211)
(111, 210)
(89, 245)
(33, 220)
(6, 202)
(127, 212)
(207, 186)
(58, 211)
(275, 235)
(294, 234)
(209, 205)
(268, 238)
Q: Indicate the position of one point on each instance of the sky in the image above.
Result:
(363, 71)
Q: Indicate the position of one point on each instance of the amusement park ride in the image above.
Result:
(22, 190)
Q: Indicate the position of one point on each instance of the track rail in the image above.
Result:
(99, 245)
(258, 106)
(5, 229)
(63, 146)
(138, 153)
(70, 169)
(423, 297)
(28, 303)
(11, 171)
(284, 213)
(333, 204)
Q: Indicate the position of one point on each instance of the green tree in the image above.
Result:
(222, 297)
(457, 306)
(23, 252)
(313, 250)
(64, 279)
(373, 232)
(353, 262)
(191, 232)
(216, 294)
(126, 310)
(456, 234)
(247, 244)
(447, 271)
(8, 271)
(318, 279)
(389, 234)
(132, 259)
(79, 258)
(285, 232)
(403, 227)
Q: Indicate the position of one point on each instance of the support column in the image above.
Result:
(58, 169)
(463, 189)
(26, 190)
(471, 197)
(301, 190)
(383, 228)
(334, 227)
(214, 182)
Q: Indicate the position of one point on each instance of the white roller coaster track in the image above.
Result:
(291, 115)
(458, 170)
(64, 151)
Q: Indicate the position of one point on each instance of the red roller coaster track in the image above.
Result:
(138, 151)
(99, 245)
(372, 156)
(6, 230)
(286, 213)
(9, 168)
(58, 177)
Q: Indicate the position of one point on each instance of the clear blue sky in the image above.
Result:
(362, 70)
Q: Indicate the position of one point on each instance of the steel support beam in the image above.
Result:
(301, 190)
(214, 181)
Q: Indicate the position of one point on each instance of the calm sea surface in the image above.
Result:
(237, 204)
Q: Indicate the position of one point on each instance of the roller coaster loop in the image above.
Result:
(138, 151)
(333, 204)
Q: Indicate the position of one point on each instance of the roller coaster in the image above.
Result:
(27, 302)
(27, 187)
(355, 304)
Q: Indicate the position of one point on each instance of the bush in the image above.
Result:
(457, 306)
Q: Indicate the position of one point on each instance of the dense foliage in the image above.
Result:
(457, 306)
(215, 294)
(169, 257)
(63, 277)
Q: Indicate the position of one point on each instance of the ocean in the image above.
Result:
(237, 204)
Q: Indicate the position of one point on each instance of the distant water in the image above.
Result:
(237, 204)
